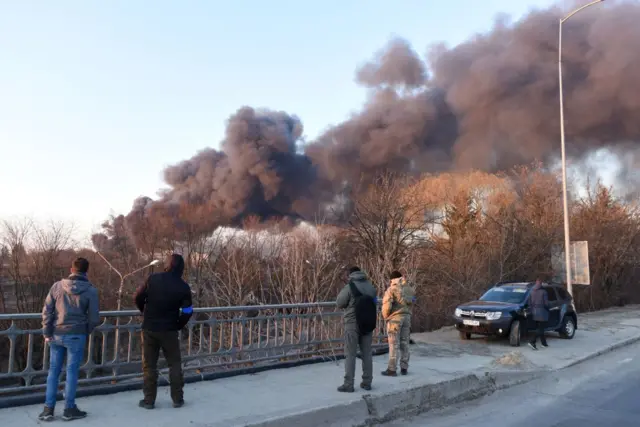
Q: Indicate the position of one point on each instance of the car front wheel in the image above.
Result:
(515, 334)
(568, 328)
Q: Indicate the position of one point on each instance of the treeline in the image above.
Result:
(453, 234)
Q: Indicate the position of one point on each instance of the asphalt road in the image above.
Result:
(602, 392)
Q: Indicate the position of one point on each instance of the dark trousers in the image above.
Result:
(152, 342)
(539, 333)
(352, 340)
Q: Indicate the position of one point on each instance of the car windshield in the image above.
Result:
(514, 295)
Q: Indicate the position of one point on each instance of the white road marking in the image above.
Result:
(625, 360)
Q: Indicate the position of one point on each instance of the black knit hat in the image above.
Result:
(395, 275)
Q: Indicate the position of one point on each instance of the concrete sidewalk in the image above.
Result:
(443, 370)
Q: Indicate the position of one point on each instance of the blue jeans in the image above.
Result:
(73, 347)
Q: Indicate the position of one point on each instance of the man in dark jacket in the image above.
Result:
(539, 304)
(69, 315)
(352, 336)
(165, 301)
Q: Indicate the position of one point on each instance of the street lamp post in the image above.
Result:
(123, 277)
(120, 290)
(565, 204)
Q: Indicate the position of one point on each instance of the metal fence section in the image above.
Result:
(219, 338)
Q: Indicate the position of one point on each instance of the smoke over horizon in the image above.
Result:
(489, 103)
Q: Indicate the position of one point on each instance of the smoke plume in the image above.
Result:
(489, 103)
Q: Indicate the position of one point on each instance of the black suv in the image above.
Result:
(503, 310)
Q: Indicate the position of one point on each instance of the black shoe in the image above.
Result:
(178, 404)
(404, 371)
(389, 373)
(365, 386)
(346, 389)
(143, 404)
(46, 414)
(545, 345)
(533, 346)
(73, 414)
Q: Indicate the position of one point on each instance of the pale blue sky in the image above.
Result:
(97, 97)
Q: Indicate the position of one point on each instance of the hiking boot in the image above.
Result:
(346, 389)
(178, 404)
(365, 386)
(389, 373)
(73, 414)
(143, 404)
(46, 414)
(404, 372)
(533, 346)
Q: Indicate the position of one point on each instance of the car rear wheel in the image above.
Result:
(568, 328)
(515, 334)
(465, 335)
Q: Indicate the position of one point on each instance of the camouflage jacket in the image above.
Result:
(398, 300)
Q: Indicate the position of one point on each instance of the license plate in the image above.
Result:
(471, 322)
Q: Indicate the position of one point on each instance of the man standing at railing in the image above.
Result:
(358, 298)
(397, 306)
(165, 301)
(69, 315)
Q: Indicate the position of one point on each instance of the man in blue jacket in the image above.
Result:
(165, 301)
(69, 315)
(539, 304)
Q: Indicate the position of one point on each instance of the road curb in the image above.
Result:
(604, 350)
(378, 409)
(373, 409)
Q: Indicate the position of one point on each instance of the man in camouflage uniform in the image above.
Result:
(397, 306)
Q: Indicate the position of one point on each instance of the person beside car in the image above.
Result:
(539, 305)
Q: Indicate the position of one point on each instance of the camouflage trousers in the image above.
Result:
(399, 333)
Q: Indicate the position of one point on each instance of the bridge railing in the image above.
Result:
(216, 339)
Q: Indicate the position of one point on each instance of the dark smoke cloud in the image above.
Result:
(504, 86)
(258, 172)
(395, 65)
(489, 103)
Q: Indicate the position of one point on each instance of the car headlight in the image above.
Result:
(494, 315)
(458, 312)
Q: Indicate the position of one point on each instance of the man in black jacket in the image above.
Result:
(165, 301)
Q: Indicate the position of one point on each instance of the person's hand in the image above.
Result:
(48, 339)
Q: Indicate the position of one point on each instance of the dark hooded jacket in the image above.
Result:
(165, 299)
(538, 300)
(71, 307)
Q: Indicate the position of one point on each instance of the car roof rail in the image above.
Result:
(514, 283)
(503, 283)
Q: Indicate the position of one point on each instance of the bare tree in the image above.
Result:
(386, 223)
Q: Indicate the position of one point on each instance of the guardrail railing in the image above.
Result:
(217, 338)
